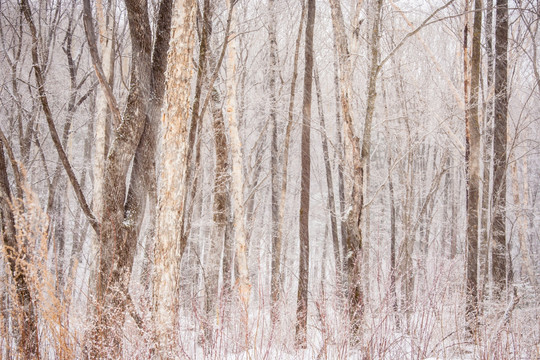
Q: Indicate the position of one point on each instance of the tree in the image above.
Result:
(172, 177)
(472, 155)
(499, 266)
(237, 182)
(303, 272)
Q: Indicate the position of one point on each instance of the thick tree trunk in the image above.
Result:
(173, 156)
(303, 272)
(499, 255)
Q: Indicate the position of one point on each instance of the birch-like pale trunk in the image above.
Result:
(106, 25)
(237, 181)
(173, 156)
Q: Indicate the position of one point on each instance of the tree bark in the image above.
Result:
(237, 185)
(331, 202)
(499, 267)
(173, 157)
(485, 228)
(353, 261)
(16, 257)
(276, 239)
(288, 130)
(472, 158)
(303, 272)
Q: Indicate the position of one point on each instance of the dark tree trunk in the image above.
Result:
(303, 273)
(473, 172)
(499, 267)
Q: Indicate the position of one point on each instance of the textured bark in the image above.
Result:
(472, 158)
(133, 143)
(303, 272)
(276, 239)
(485, 228)
(173, 156)
(331, 202)
(353, 260)
(499, 254)
(366, 140)
(237, 184)
(340, 156)
(16, 256)
(221, 209)
(106, 24)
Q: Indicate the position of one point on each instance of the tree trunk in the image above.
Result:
(16, 257)
(237, 188)
(173, 154)
(286, 141)
(472, 158)
(485, 228)
(329, 182)
(522, 221)
(353, 260)
(303, 272)
(276, 239)
(499, 267)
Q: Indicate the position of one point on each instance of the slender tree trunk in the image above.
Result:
(286, 141)
(353, 261)
(329, 182)
(303, 272)
(276, 239)
(485, 228)
(522, 221)
(472, 157)
(340, 157)
(499, 267)
(221, 208)
(237, 185)
(366, 141)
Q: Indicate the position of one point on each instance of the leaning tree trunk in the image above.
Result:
(499, 267)
(331, 202)
(303, 273)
